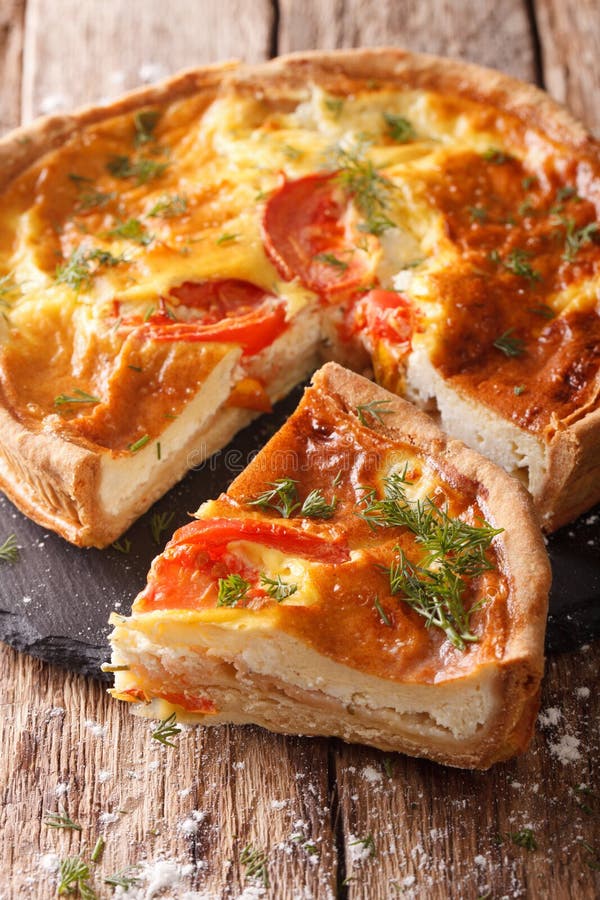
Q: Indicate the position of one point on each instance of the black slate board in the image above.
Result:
(56, 599)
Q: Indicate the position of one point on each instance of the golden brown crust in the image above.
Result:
(506, 668)
(573, 483)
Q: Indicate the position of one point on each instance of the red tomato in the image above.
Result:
(231, 311)
(308, 233)
(185, 576)
(384, 314)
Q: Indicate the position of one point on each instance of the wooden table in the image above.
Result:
(332, 820)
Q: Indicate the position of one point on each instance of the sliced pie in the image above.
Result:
(365, 577)
(173, 262)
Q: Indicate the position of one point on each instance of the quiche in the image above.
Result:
(365, 577)
(174, 262)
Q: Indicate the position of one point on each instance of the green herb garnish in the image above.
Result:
(227, 238)
(291, 152)
(381, 613)
(277, 588)
(132, 230)
(368, 843)
(518, 390)
(478, 213)
(9, 551)
(255, 863)
(168, 728)
(125, 878)
(145, 122)
(78, 271)
(98, 850)
(123, 546)
(316, 506)
(399, 128)
(159, 523)
(543, 310)
(75, 874)
(510, 345)
(576, 238)
(142, 169)
(60, 819)
(374, 410)
(331, 260)
(282, 496)
(516, 262)
(76, 397)
(137, 445)
(169, 206)
(496, 156)
(369, 189)
(452, 551)
(523, 838)
(232, 590)
(335, 105)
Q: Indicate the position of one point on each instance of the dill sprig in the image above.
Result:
(137, 445)
(517, 263)
(8, 287)
(126, 878)
(374, 410)
(159, 523)
(82, 265)
(523, 838)
(123, 546)
(60, 819)
(142, 169)
(399, 128)
(576, 238)
(168, 728)
(452, 551)
(145, 122)
(75, 874)
(496, 156)
(331, 260)
(232, 590)
(255, 863)
(369, 190)
(98, 850)
(316, 506)
(9, 551)
(383, 616)
(277, 588)
(169, 206)
(282, 496)
(132, 230)
(367, 842)
(509, 344)
(77, 396)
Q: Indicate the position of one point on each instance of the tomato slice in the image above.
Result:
(309, 232)
(185, 576)
(230, 311)
(384, 315)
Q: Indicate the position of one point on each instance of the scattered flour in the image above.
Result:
(103, 776)
(56, 711)
(107, 818)
(189, 825)
(50, 862)
(480, 860)
(61, 789)
(582, 693)
(370, 774)
(566, 749)
(550, 716)
(96, 728)
(279, 804)
(152, 72)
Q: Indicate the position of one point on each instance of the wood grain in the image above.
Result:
(491, 34)
(316, 808)
(12, 16)
(77, 53)
(570, 41)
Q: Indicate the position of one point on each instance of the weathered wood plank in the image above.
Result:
(196, 805)
(78, 53)
(570, 39)
(12, 15)
(492, 34)
(441, 833)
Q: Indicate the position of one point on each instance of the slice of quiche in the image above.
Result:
(365, 577)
